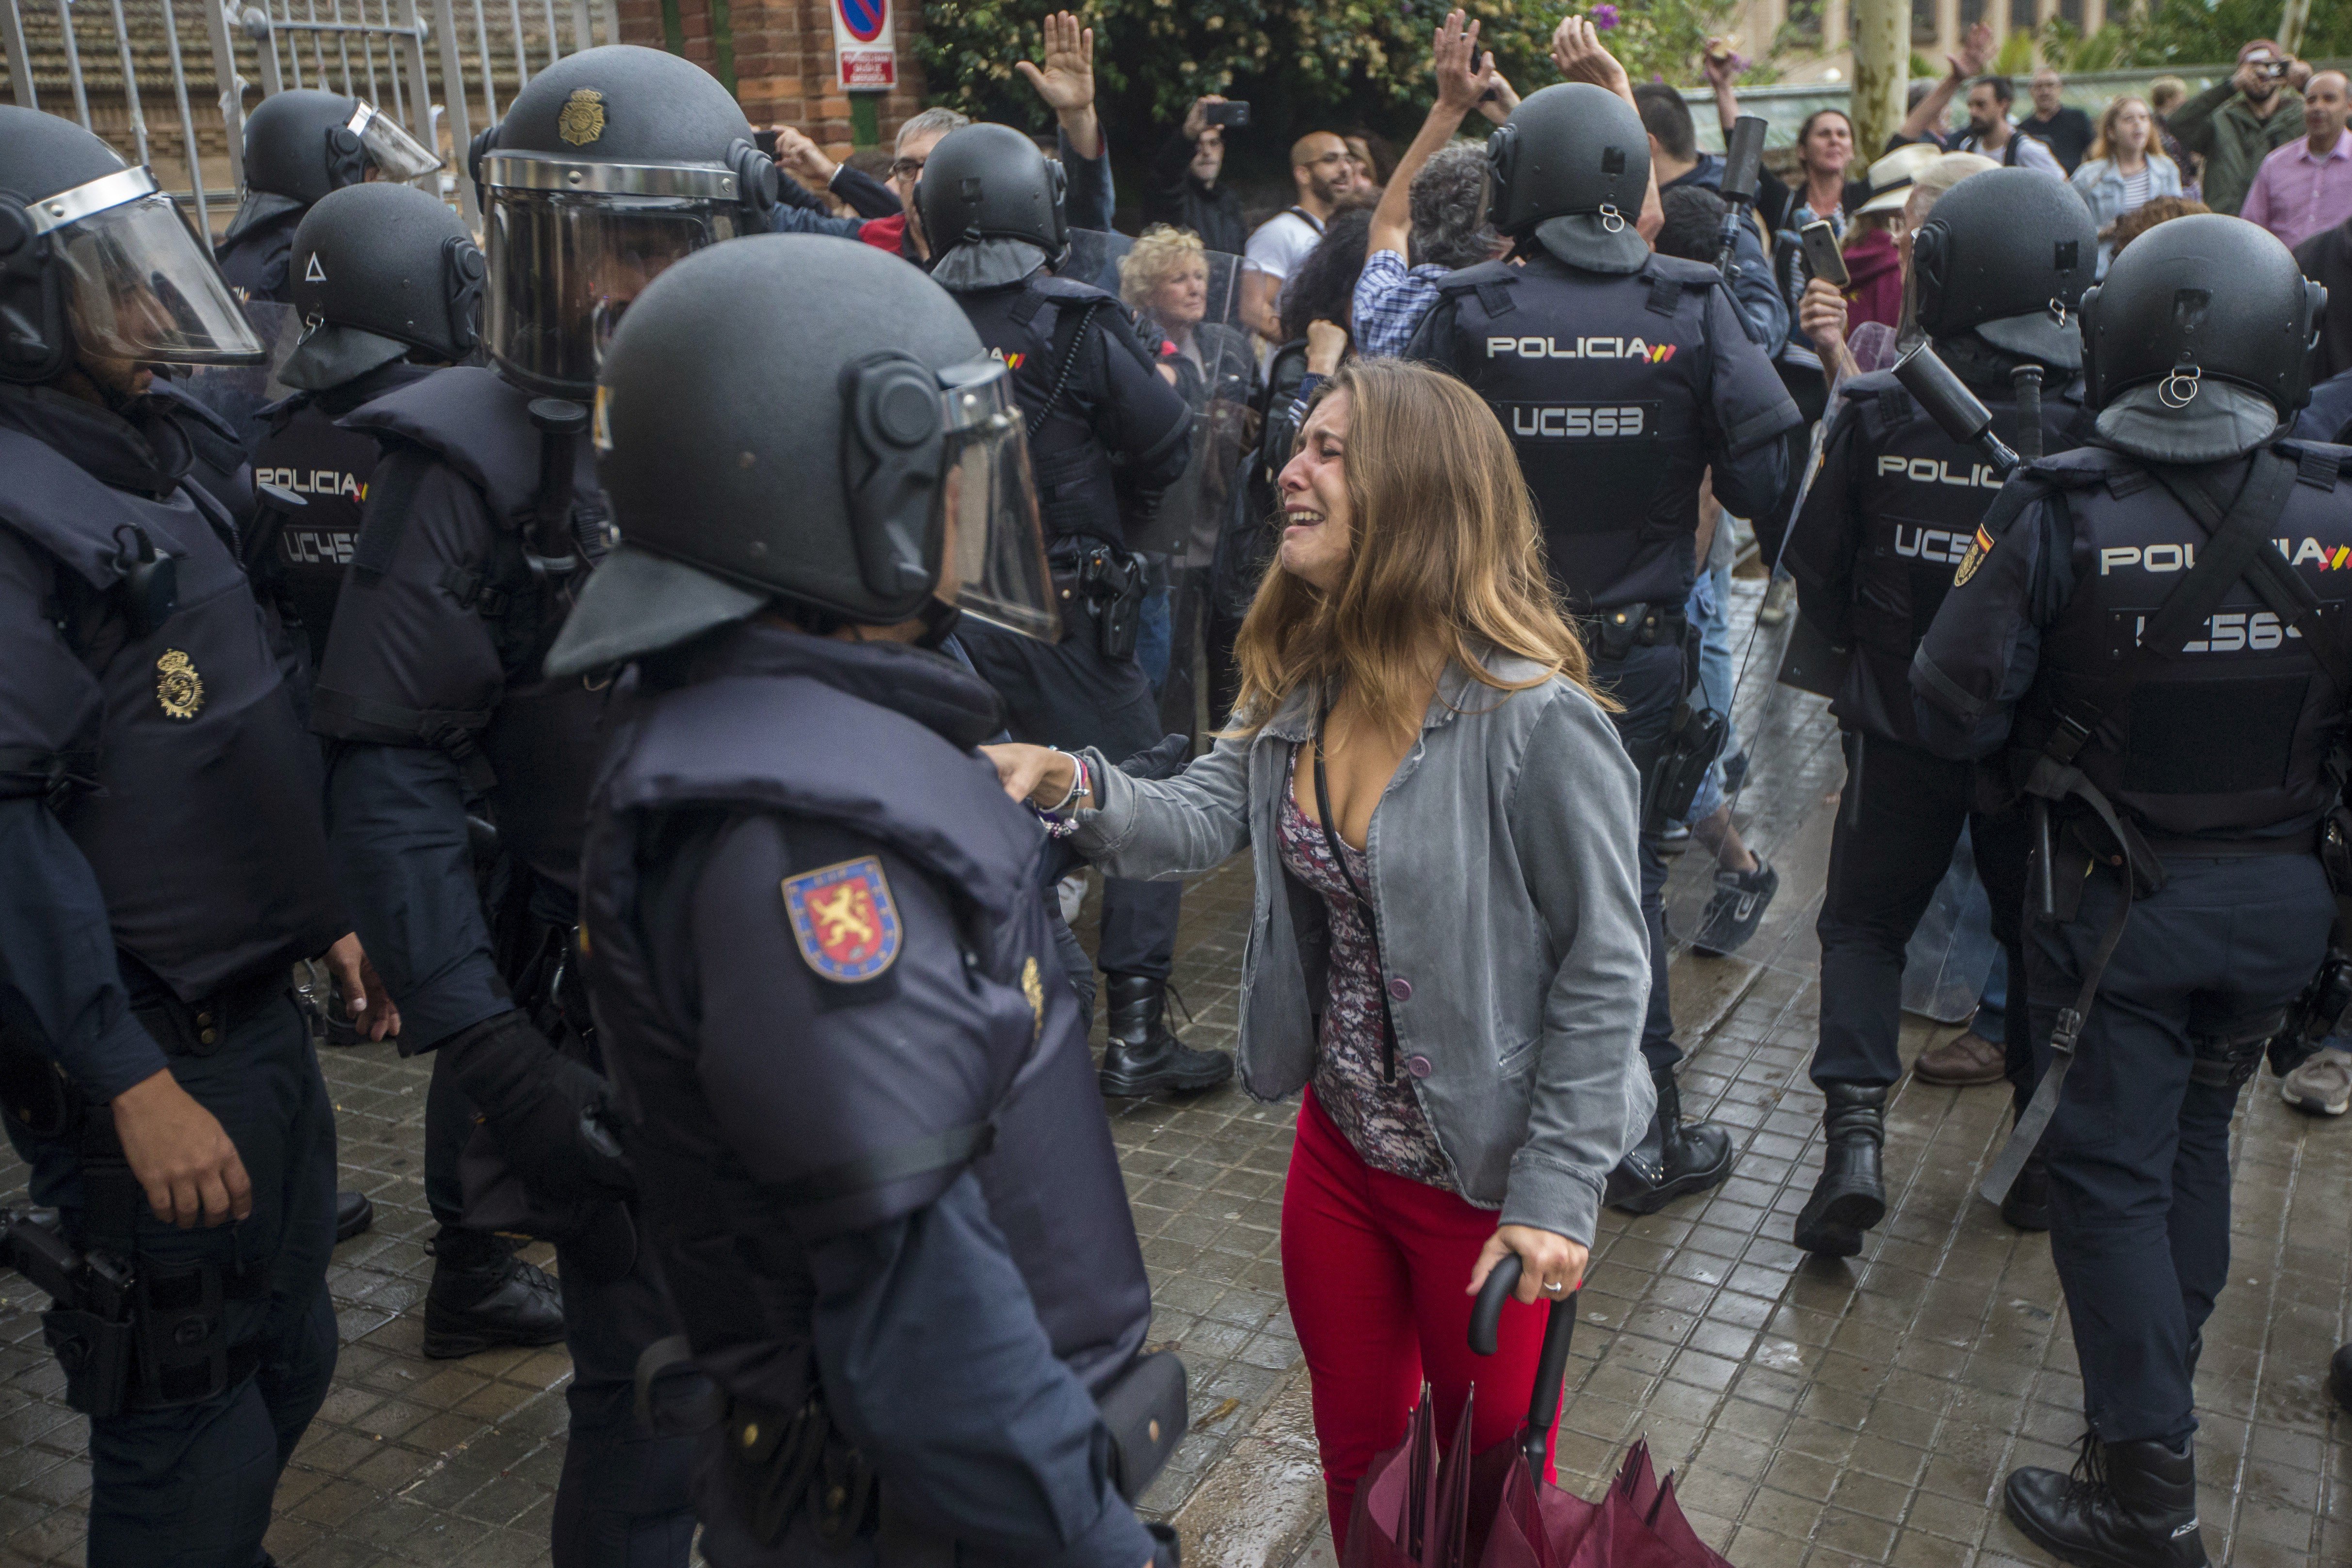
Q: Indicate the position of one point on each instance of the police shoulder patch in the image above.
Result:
(1979, 548)
(845, 920)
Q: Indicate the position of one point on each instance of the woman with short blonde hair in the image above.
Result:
(1447, 950)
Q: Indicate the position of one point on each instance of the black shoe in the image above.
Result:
(2027, 1207)
(353, 1214)
(2126, 1505)
(1734, 771)
(1851, 1197)
(1736, 911)
(482, 1295)
(2339, 1376)
(1144, 1057)
(1673, 1158)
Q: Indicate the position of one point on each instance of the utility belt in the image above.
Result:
(782, 1460)
(1695, 737)
(130, 1333)
(1104, 583)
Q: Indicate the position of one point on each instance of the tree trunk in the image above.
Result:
(1881, 69)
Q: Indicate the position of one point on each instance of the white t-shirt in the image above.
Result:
(1281, 243)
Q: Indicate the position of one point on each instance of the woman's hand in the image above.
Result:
(1326, 342)
(1820, 315)
(1546, 1258)
(1038, 775)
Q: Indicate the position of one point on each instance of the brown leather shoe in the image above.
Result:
(1965, 1062)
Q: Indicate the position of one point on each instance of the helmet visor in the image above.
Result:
(994, 568)
(391, 149)
(564, 268)
(145, 289)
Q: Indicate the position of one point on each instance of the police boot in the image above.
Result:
(1143, 1055)
(2126, 1505)
(483, 1295)
(1674, 1157)
(1851, 1197)
(353, 1214)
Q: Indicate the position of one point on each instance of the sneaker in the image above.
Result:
(1674, 839)
(1734, 771)
(1778, 596)
(2322, 1085)
(1738, 908)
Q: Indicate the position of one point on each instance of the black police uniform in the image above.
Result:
(163, 864)
(1116, 427)
(2216, 765)
(430, 683)
(1890, 515)
(793, 828)
(253, 254)
(1620, 391)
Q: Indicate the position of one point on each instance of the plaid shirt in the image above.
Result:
(1391, 303)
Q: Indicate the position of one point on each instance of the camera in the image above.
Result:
(1234, 115)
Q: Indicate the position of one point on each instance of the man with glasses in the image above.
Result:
(1324, 174)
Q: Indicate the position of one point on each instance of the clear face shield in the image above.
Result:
(144, 288)
(573, 245)
(993, 568)
(393, 151)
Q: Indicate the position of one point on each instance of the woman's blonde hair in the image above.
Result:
(1445, 562)
(1157, 252)
(2103, 145)
(1938, 178)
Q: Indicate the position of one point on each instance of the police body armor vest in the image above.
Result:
(1920, 495)
(205, 825)
(1600, 382)
(254, 260)
(538, 749)
(1037, 327)
(306, 452)
(753, 743)
(2230, 737)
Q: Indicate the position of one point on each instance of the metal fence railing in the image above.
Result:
(441, 67)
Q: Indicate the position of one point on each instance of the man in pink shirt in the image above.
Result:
(2306, 186)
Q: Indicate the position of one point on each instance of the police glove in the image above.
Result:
(553, 1117)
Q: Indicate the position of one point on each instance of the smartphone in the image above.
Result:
(1234, 114)
(766, 140)
(1822, 253)
(2274, 69)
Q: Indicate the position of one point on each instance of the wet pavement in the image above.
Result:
(1818, 1412)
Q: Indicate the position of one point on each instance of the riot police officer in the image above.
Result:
(300, 144)
(482, 521)
(1107, 433)
(2001, 267)
(938, 1354)
(163, 864)
(388, 283)
(2160, 597)
(1622, 378)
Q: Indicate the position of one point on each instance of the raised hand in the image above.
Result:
(1462, 74)
(1976, 51)
(802, 156)
(1577, 50)
(1066, 80)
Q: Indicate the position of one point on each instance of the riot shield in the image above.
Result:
(1094, 257)
(238, 393)
(1191, 301)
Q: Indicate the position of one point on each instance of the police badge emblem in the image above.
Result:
(179, 689)
(1979, 548)
(845, 920)
(582, 119)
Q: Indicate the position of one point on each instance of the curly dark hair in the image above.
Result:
(1324, 287)
(1449, 208)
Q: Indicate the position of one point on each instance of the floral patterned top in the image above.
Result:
(1382, 1121)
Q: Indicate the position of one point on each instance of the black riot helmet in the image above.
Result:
(2196, 346)
(987, 191)
(861, 466)
(376, 271)
(95, 260)
(2006, 254)
(1569, 168)
(301, 143)
(610, 165)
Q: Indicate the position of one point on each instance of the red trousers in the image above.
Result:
(1376, 1267)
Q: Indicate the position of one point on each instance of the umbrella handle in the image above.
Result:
(1551, 1366)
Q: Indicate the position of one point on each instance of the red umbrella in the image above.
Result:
(1404, 1515)
(1636, 1524)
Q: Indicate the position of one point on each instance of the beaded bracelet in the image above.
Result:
(1081, 783)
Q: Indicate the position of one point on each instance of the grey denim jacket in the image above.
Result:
(1503, 877)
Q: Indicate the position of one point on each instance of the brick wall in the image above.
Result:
(783, 61)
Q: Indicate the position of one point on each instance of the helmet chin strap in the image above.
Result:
(940, 620)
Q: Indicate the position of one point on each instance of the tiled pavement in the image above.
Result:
(1821, 1412)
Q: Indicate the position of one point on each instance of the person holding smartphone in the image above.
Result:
(1185, 191)
(2233, 125)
